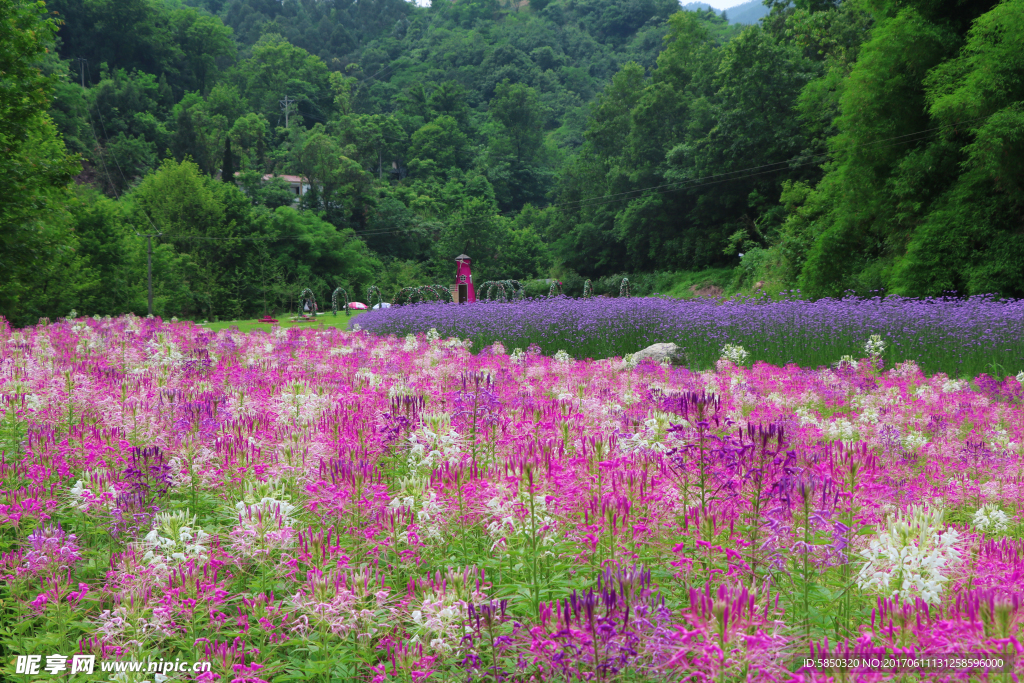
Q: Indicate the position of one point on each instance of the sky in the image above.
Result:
(722, 4)
(717, 4)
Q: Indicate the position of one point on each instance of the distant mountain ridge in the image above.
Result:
(748, 13)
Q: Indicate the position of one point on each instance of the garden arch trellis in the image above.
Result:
(408, 295)
(443, 294)
(506, 290)
(370, 293)
(334, 301)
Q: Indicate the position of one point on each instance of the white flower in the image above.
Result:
(847, 362)
(432, 335)
(734, 353)
(1020, 376)
(840, 430)
(951, 385)
(805, 417)
(907, 368)
(869, 415)
(498, 349)
(518, 355)
(372, 380)
(990, 519)
(875, 347)
(410, 343)
(630, 361)
(561, 356)
(174, 537)
(910, 557)
(357, 327)
(456, 343)
(914, 441)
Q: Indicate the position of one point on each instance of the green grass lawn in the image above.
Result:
(326, 319)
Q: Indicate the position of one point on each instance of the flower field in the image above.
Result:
(320, 506)
(960, 337)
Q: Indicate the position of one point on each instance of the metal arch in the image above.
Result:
(334, 302)
(370, 292)
(409, 292)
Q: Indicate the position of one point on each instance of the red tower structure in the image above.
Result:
(462, 290)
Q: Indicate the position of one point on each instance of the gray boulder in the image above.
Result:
(659, 353)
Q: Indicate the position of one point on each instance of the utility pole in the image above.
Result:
(81, 69)
(149, 267)
(286, 104)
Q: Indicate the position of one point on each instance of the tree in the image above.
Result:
(310, 252)
(201, 218)
(516, 164)
(36, 247)
(198, 134)
(441, 142)
(854, 243)
(277, 69)
(203, 40)
(339, 187)
(970, 238)
(249, 136)
(228, 167)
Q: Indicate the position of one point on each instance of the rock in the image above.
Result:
(659, 353)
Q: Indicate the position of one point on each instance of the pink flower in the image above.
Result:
(39, 604)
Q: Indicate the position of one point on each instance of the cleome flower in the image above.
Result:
(846, 361)
(50, 549)
(174, 539)
(875, 347)
(428, 448)
(911, 557)
(990, 519)
(734, 353)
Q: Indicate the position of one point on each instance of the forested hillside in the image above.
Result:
(862, 145)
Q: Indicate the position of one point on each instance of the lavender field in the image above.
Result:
(319, 505)
(961, 337)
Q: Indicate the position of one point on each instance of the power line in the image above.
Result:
(286, 104)
(113, 156)
(716, 179)
(601, 200)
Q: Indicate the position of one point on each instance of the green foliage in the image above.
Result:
(37, 259)
(860, 145)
